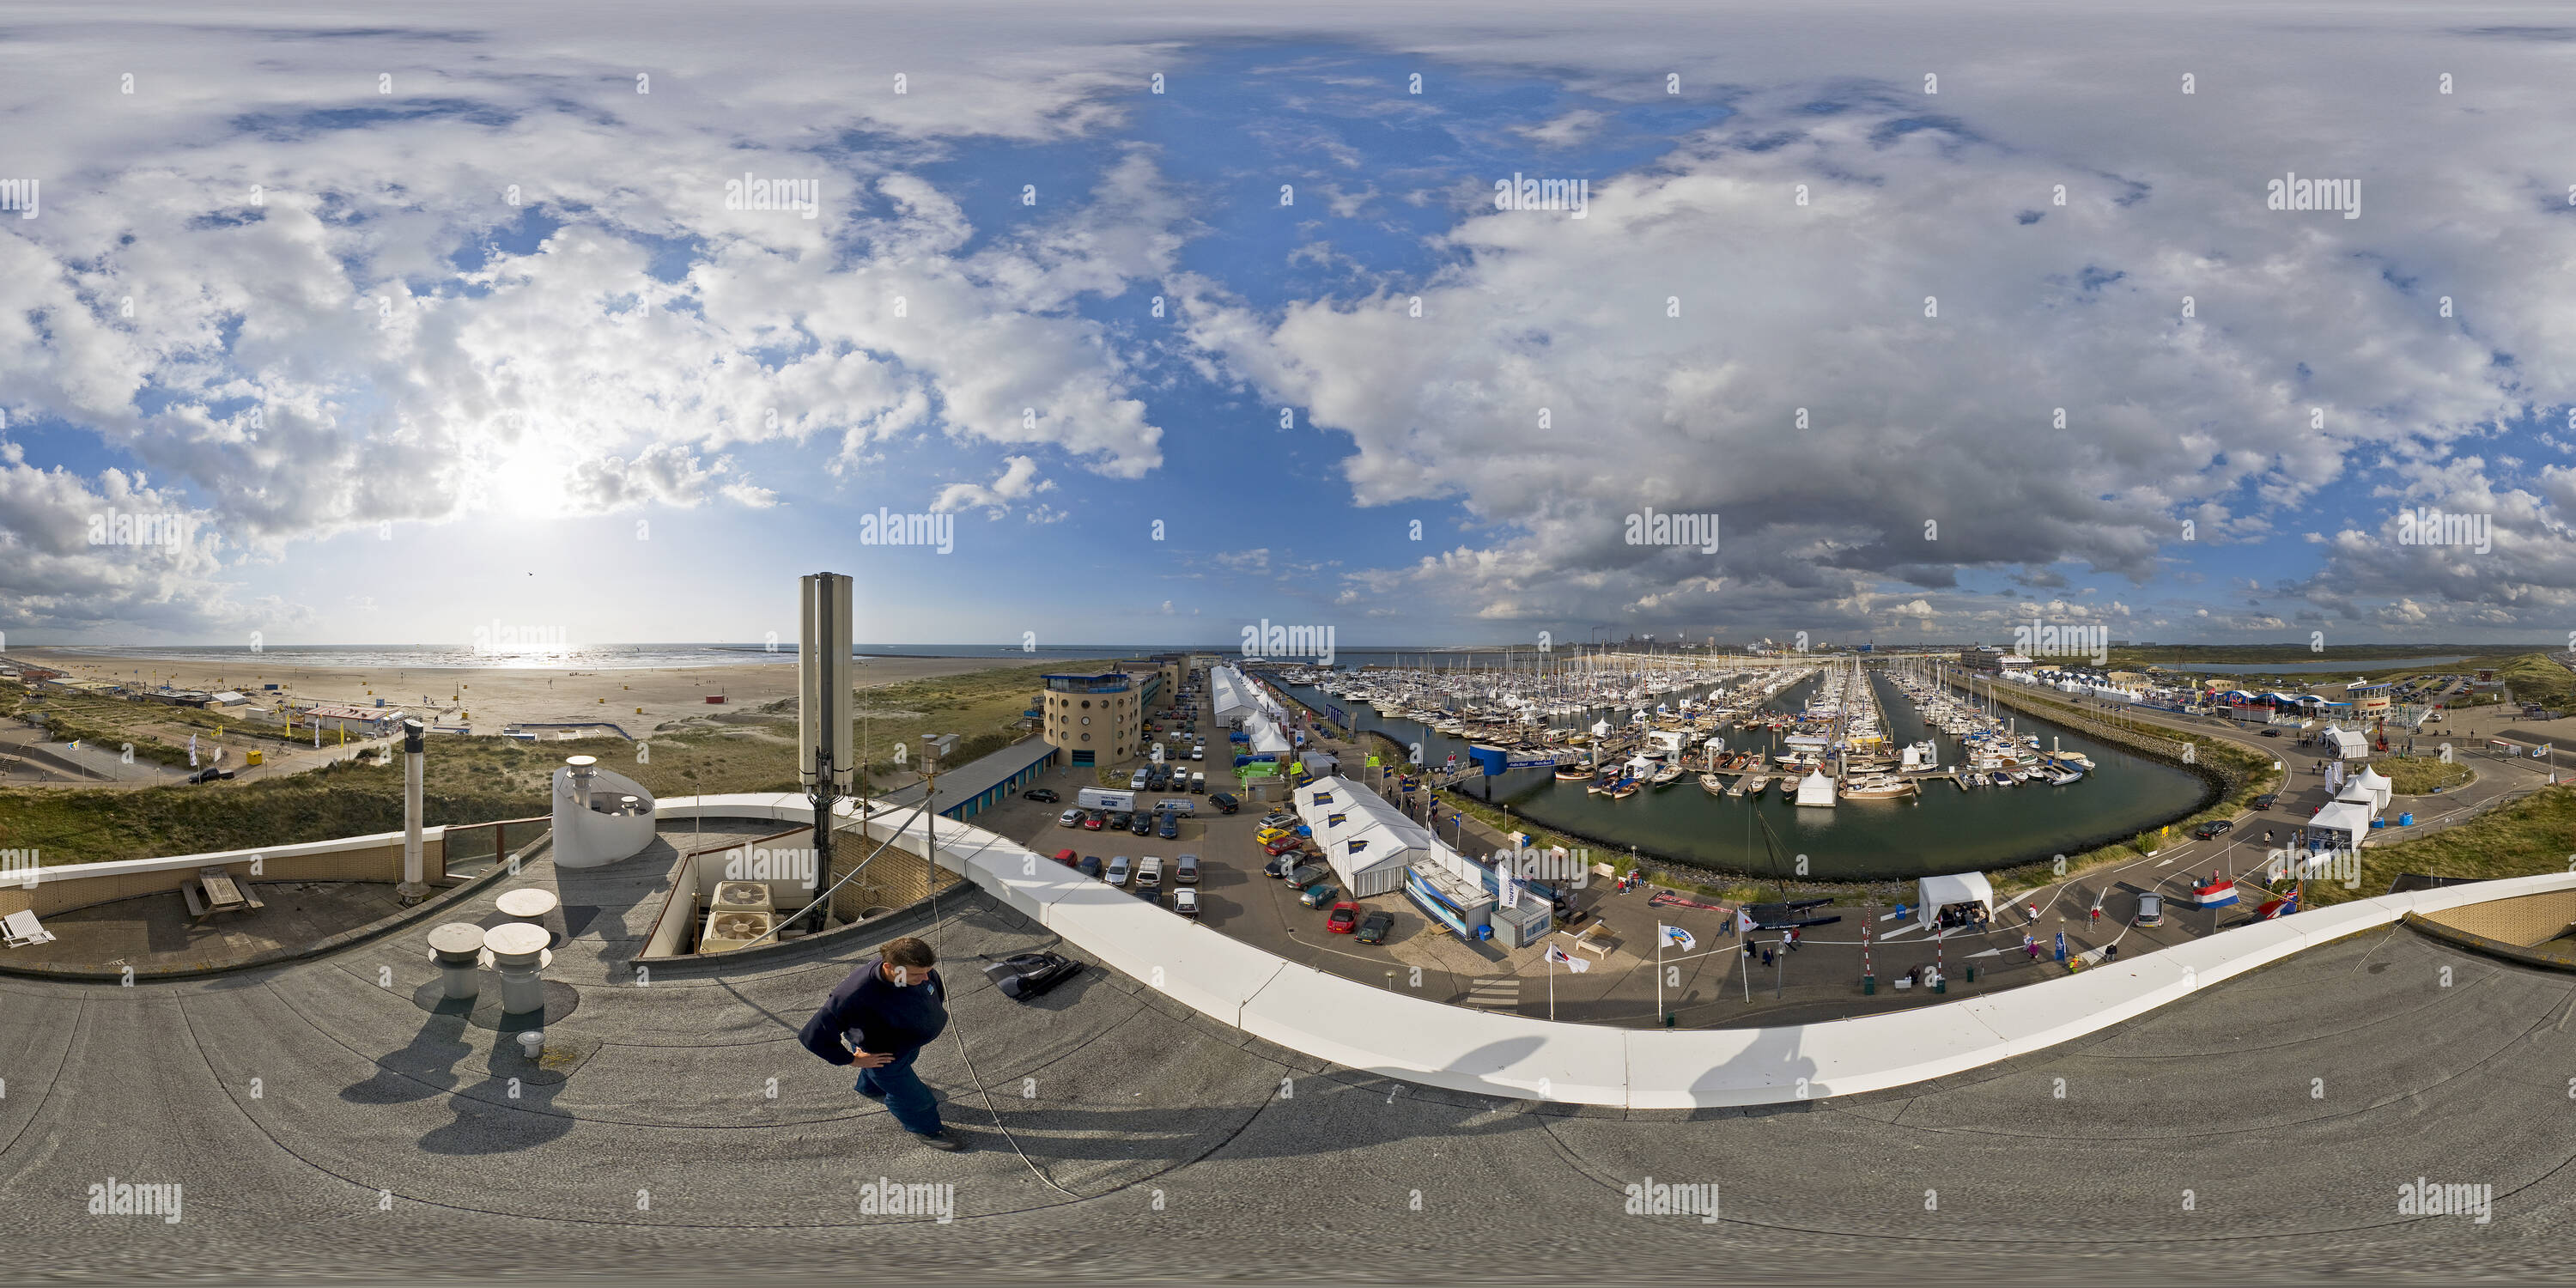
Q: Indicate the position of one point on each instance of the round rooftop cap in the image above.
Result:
(518, 939)
(581, 762)
(527, 904)
(456, 937)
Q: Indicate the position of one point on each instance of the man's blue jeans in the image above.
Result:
(905, 1096)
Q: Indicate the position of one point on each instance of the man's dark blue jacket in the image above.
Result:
(881, 1018)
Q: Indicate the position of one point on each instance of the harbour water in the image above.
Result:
(1944, 829)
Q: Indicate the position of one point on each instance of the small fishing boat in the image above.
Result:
(1571, 770)
(1626, 788)
(1714, 785)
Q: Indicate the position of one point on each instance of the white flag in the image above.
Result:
(1511, 890)
(192, 751)
(1679, 938)
(1743, 921)
(1572, 963)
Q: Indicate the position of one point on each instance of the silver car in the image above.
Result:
(2151, 910)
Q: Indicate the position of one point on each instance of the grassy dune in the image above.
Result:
(2533, 835)
(475, 780)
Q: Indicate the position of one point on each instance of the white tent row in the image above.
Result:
(2373, 782)
(1265, 736)
(1368, 841)
(2347, 744)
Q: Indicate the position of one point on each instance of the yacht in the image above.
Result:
(1878, 788)
(1714, 785)
(1666, 776)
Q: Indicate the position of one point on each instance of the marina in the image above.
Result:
(1860, 770)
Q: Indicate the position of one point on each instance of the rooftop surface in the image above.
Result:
(329, 1114)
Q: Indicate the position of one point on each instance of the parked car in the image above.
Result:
(1281, 865)
(2214, 827)
(1042, 795)
(1141, 824)
(1285, 845)
(1185, 901)
(1185, 870)
(1344, 918)
(1316, 896)
(1307, 874)
(2151, 910)
(1198, 753)
(1224, 801)
(211, 775)
(1136, 781)
(2271, 733)
(1149, 872)
(1118, 820)
(1069, 818)
(1090, 865)
(2266, 800)
(1198, 782)
(1065, 857)
(1170, 828)
(1091, 821)
(1119, 870)
(1373, 928)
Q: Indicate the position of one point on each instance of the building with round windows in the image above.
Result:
(1093, 719)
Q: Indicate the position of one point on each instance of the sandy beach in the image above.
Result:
(490, 698)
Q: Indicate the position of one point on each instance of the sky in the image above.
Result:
(1185, 317)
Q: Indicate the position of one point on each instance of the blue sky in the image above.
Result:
(465, 408)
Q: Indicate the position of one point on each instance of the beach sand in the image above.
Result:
(489, 699)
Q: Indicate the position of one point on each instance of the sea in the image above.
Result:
(628, 657)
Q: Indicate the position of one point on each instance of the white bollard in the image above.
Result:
(533, 1042)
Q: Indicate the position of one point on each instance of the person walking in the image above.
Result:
(890, 1009)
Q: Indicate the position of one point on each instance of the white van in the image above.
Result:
(1136, 781)
(1175, 805)
(1198, 780)
(1149, 872)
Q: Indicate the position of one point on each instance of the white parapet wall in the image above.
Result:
(1399, 1035)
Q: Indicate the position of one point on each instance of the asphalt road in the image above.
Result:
(322, 1121)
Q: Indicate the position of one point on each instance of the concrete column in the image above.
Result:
(519, 953)
(458, 947)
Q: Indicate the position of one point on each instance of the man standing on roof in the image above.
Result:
(891, 1008)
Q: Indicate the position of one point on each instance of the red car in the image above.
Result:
(1284, 845)
(1066, 857)
(1344, 918)
(1091, 822)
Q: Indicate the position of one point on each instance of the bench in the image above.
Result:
(213, 890)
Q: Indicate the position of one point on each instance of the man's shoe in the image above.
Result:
(942, 1140)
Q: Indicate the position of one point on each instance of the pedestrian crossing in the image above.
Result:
(1495, 993)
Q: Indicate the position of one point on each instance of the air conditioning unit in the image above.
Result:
(741, 896)
(729, 929)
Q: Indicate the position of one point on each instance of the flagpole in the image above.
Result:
(1551, 988)
(1659, 974)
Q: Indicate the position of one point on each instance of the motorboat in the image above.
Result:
(1626, 788)
(1713, 785)
(1666, 776)
(1878, 788)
